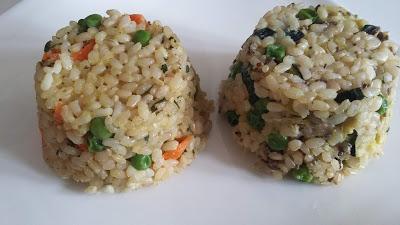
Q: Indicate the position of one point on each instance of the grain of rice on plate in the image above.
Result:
(311, 92)
(119, 103)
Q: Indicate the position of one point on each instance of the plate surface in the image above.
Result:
(220, 187)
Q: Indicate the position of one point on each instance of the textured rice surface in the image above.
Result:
(329, 132)
(149, 96)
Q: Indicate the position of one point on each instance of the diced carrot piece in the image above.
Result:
(83, 147)
(183, 144)
(138, 18)
(53, 55)
(84, 52)
(57, 113)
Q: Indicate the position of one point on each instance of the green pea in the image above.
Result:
(93, 20)
(275, 51)
(235, 69)
(99, 129)
(302, 174)
(261, 105)
(255, 120)
(142, 36)
(82, 26)
(277, 142)
(382, 110)
(95, 144)
(233, 118)
(141, 162)
(307, 14)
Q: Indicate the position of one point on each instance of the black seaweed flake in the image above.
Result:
(352, 140)
(187, 68)
(296, 35)
(249, 83)
(146, 138)
(263, 33)
(370, 29)
(353, 94)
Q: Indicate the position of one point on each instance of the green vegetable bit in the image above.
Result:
(142, 36)
(82, 26)
(260, 106)
(164, 68)
(93, 20)
(249, 83)
(302, 174)
(275, 51)
(95, 144)
(255, 120)
(277, 142)
(47, 46)
(235, 69)
(98, 128)
(382, 110)
(307, 14)
(141, 162)
(233, 118)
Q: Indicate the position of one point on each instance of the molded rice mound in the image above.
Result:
(119, 103)
(311, 92)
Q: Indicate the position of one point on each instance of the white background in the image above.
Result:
(220, 187)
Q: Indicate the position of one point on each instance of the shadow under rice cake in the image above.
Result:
(119, 103)
(311, 92)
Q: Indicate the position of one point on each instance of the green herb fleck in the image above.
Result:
(307, 14)
(164, 68)
(177, 105)
(154, 106)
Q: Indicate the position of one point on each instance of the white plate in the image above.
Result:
(220, 187)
